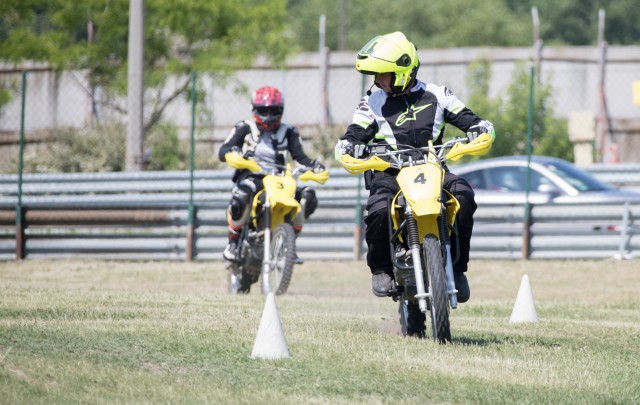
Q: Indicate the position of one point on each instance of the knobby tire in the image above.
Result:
(438, 289)
(283, 254)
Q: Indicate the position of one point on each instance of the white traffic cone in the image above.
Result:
(524, 310)
(270, 342)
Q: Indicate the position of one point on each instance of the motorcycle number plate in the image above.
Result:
(422, 186)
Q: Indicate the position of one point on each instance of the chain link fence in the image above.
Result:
(578, 83)
(70, 126)
(60, 124)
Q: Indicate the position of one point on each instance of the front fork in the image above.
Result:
(266, 254)
(416, 255)
(448, 264)
(451, 284)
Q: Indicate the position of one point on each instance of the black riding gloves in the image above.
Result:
(317, 166)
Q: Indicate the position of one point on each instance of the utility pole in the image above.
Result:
(135, 89)
(343, 25)
(606, 148)
(324, 70)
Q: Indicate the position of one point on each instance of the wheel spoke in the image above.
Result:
(282, 259)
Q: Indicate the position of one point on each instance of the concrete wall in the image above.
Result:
(64, 99)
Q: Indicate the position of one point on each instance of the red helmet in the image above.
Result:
(268, 106)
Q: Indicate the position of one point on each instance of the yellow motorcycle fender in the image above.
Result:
(426, 224)
(429, 223)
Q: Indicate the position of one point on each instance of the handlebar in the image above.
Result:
(438, 151)
(407, 155)
(261, 166)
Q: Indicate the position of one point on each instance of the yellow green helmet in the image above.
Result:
(390, 53)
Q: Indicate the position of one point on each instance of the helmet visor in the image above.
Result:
(267, 111)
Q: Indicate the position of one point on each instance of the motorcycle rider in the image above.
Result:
(406, 110)
(268, 139)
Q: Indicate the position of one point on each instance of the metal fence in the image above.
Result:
(145, 216)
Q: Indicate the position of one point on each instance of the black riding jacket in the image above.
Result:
(413, 118)
(267, 145)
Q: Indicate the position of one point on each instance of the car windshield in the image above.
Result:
(579, 179)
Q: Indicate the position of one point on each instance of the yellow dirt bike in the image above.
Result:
(267, 243)
(421, 221)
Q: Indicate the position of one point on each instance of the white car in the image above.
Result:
(552, 180)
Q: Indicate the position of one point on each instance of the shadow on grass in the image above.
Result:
(510, 340)
(480, 341)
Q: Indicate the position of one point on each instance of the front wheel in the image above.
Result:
(283, 258)
(437, 289)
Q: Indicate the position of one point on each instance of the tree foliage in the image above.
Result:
(221, 36)
(509, 112)
(432, 24)
(98, 149)
(180, 36)
(215, 36)
(102, 149)
(460, 23)
(575, 22)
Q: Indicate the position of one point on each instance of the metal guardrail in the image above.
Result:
(622, 175)
(144, 216)
(556, 232)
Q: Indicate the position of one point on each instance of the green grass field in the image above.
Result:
(161, 332)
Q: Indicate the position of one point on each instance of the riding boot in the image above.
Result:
(231, 249)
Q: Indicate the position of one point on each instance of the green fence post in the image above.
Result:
(20, 214)
(526, 234)
(191, 237)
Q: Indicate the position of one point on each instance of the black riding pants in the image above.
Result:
(376, 221)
